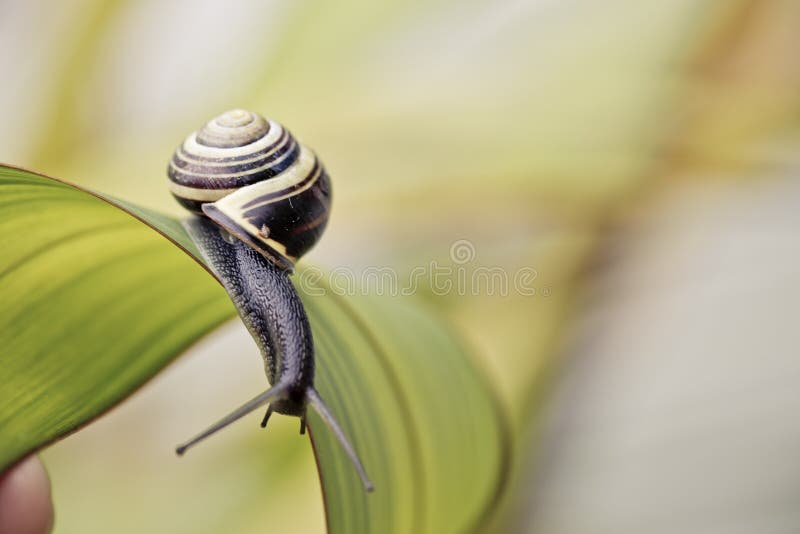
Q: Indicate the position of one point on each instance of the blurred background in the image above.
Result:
(639, 157)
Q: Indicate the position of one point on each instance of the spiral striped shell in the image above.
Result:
(250, 176)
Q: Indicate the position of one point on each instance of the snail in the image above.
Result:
(260, 200)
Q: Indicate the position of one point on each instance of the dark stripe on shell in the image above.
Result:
(312, 175)
(227, 223)
(297, 221)
(187, 166)
(194, 206)
(210, 181)
(264, 151)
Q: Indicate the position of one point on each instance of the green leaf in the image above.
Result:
(94, 303)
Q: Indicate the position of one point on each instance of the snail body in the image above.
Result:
(260, 201)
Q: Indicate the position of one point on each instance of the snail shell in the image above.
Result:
(251, 176)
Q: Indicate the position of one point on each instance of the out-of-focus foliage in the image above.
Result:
(676, 411)
(95, 303)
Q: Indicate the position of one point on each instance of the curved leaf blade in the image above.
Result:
(94, 303)
(439, 443)
(79, 329)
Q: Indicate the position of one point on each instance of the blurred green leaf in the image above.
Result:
(95, 303)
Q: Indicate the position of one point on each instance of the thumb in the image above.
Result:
(25, 503)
